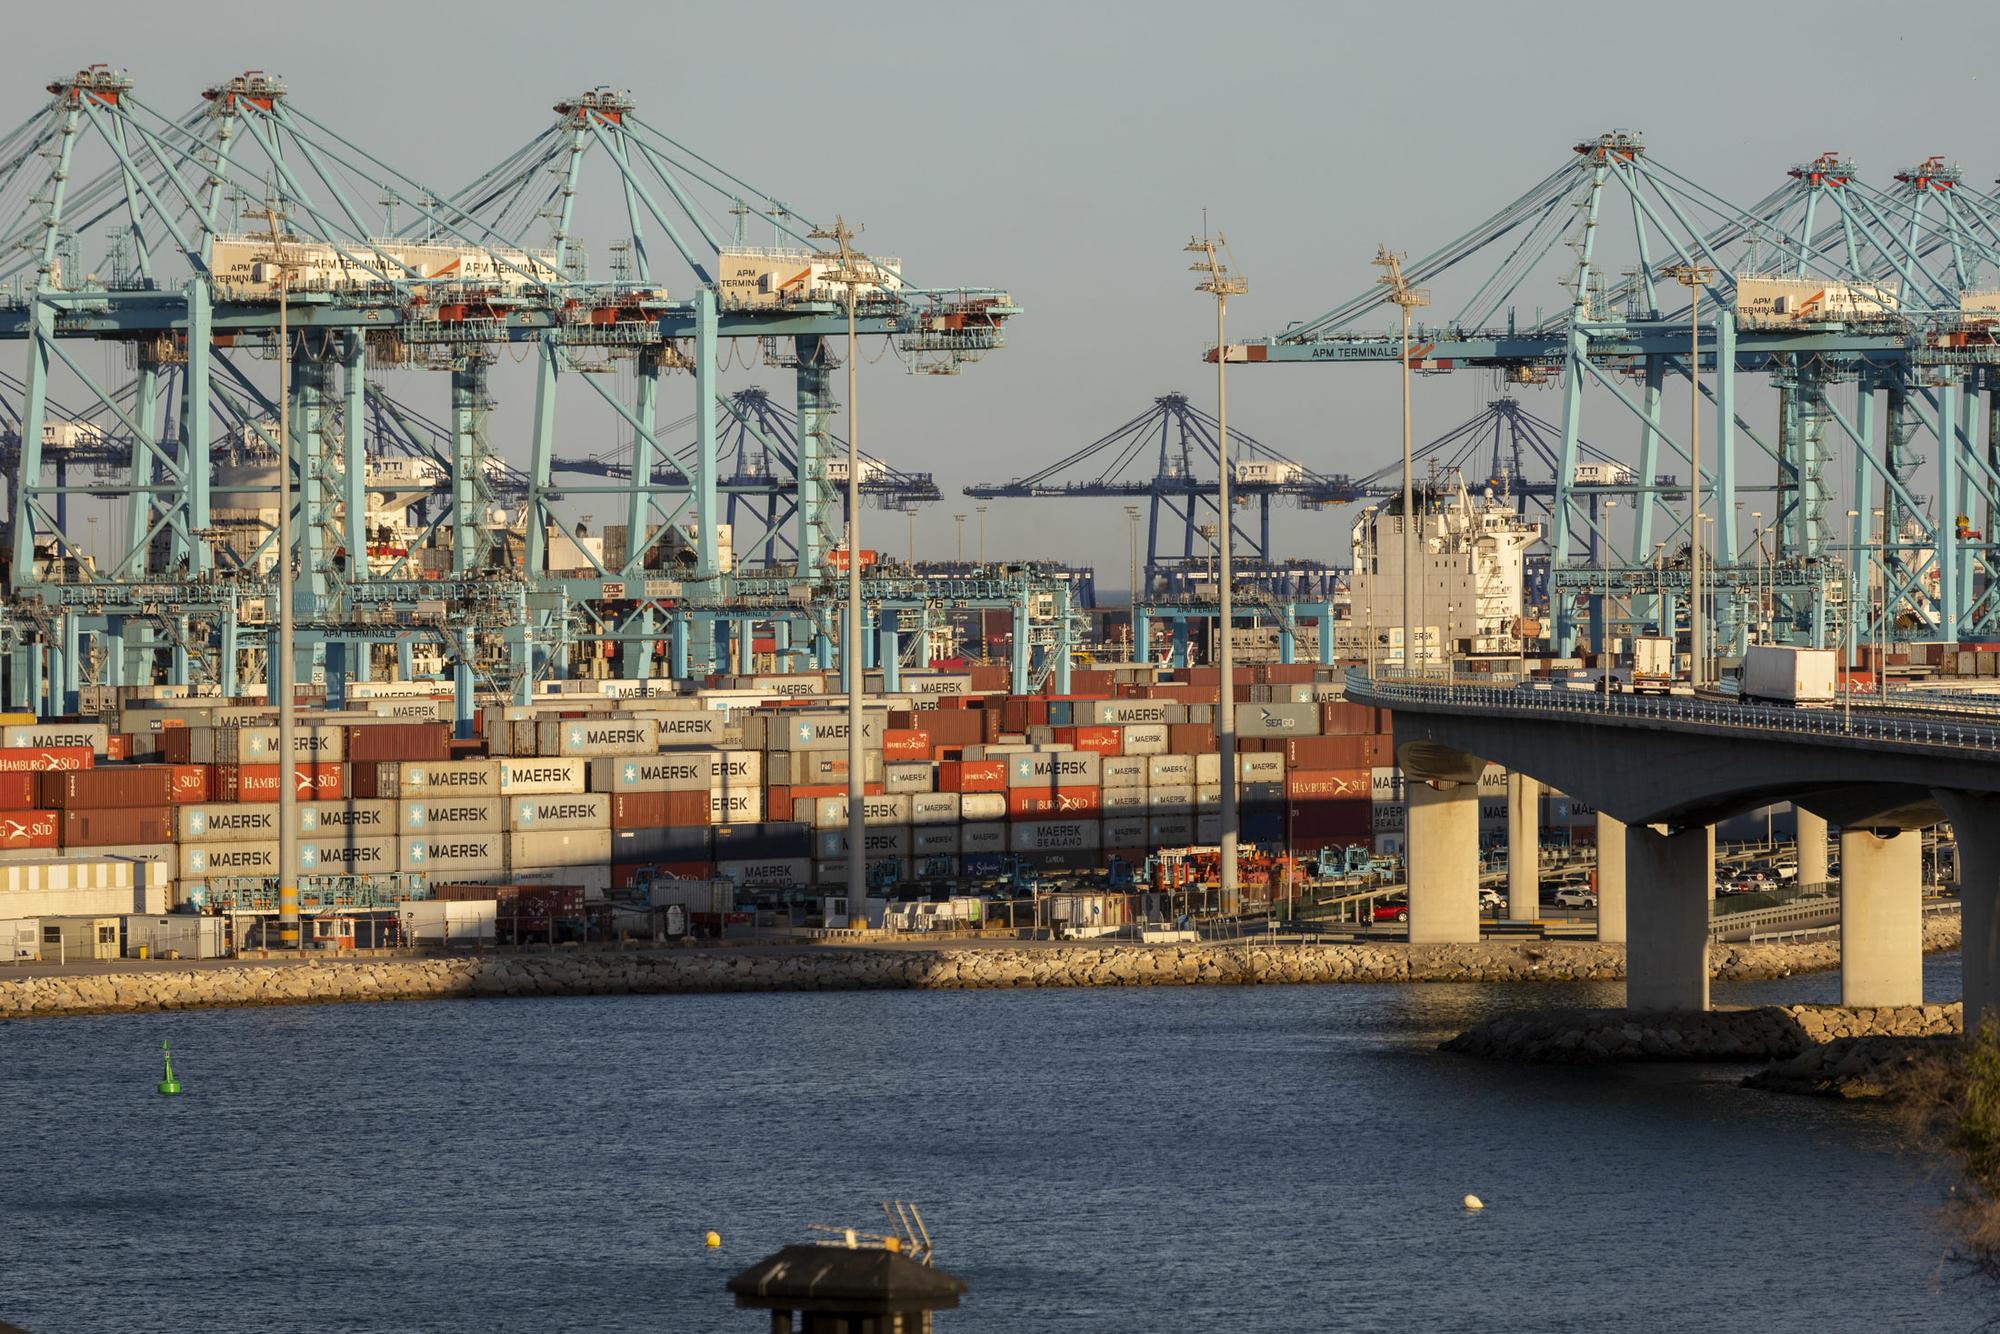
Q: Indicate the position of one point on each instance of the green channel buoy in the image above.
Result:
(169, 1085)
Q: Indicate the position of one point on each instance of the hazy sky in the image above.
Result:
(1066, 152)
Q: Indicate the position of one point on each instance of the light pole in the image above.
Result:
(959, 519)
(1847, 659)
(1407, 298)
(1610, 549)
(284, 668)
(1219, 282)
(851, 271)
(1763, 601)
(910, 513)
(982, 532)
(1139, 651)
(1694, 277)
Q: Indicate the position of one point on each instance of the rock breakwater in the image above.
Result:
(1763, 1033)
(861, 967)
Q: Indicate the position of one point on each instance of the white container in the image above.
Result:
(441, 816)
(1117, 771)
(1207, 769)
(349, 856)
(982, 838)
(768, 873)
(449, 922)
(740, 807)
(1277, 720)
(374, 818)
(908, 776)
(1123, 799)
(927, 808)
(560, 847)
(455, 855)
(40, 736)
(1061, 768)
(201, 861)
(879, 841)
(934, 840)
(1098, 712)
(1178, 800)
(248, 822)
(831, 812)
(540, 777)
(1168, 831)
(1145, 739)
(454, 778)
(671, 771)
(1263, 767)
(1055, 835)
(976, 806)
(575, 810)
(587, 736)
(1169, 770)
(1126, 832)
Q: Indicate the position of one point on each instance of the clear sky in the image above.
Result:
(1067, 151)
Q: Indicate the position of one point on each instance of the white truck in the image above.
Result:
(1652, 665)
(1783, 674)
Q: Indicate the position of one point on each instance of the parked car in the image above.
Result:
(1490, 900)
(1576, 898)
(1394, 910)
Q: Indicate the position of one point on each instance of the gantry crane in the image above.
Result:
(163, 232)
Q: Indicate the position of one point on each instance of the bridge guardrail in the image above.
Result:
(1508, 694)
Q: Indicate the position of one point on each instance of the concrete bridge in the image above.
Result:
(1661, 771)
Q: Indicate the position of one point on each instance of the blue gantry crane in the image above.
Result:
(1826, 283)
(167, 233)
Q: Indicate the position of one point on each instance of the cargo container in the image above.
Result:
(1126, 833)
(935, 808)
(1065, 768)
(878, 841)
(819, 729)
(45, 759)
(100, 826)
(1034, 803)
(675, 843)
(352, 856)
(972, 776)
(448, 778)
(397, 741)
(348, 819)
(540, 777)
(1054, 835)
(559, 847)
(908, 778)
(93, 737)
(764, 839)
(674, 771)
(200, 861)
(234, 823)
(831, 812)
(259, 782)
(597, 737)
(437, 816)
(975, 806)
(452, 854)
(28, 829)
(259, 745)
(586, 810)
(652, 810)
(98, 789)
(768, 873)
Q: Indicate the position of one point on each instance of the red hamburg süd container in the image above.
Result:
(905, 744)
(45, 759)
(1032, 803)
(110, 826)
(378, 742)
(972, 776)
(659, 810)
(17, 792)
(193, 783)
(28, 829)
(623, 877)
(104, 789)
(1099, 740)
(1308, 785)
(118, 746)
(259, 782)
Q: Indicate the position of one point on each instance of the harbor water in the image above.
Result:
(1279, 1158)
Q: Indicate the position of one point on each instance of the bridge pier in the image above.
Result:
(1812, 846)
(1610, 879)
(1881, 918)
(1524, 848)
(1975, 824)
(1442, 846)
(1671, 878)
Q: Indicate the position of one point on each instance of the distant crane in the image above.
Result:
(1179, 443)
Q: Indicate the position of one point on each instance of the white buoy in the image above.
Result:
(1474, 1202)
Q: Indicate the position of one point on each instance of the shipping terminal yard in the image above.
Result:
(860, 645)
(452, 716)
